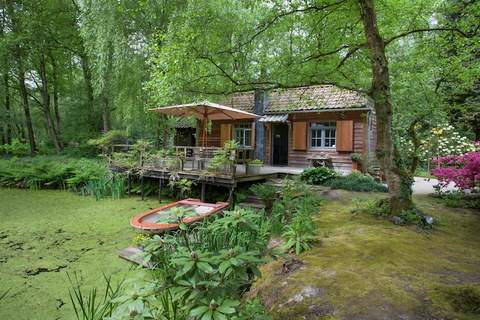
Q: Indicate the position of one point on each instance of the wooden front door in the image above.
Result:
(280, 144)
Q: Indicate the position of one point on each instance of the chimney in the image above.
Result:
(260, 104)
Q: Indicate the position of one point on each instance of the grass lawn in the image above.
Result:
(367, 269)
(45, 234)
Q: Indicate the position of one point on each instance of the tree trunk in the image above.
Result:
(55, 94)
(25, 102)
(21, 82)
(105, 111)
(46, 105)
(398, 180)
(8, 117)
(87, 77)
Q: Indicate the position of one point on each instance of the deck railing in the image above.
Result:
(190, 159)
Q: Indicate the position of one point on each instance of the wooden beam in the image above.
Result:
(202, 194)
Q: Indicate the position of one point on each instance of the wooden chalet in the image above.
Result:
(299, 126)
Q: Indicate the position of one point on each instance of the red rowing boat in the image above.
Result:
(164, 218)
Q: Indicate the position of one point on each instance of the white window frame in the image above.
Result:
(243, 130)
(319, 130)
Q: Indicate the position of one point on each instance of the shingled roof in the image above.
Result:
(325, 97)
(244, 101)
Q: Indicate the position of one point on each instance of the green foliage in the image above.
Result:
(110, 185)
(356, 181)
(140, 239)
(374, 207)
(107, 139)
(176, 215)
(318, 175)
(93, 305)
(224, 158)
(300, 234)
(203, 270)
(356, 157)
(462, 298)
(264, 191)
(183, 186)
(256, 162)
(89, 177)
(16, 148)
(458, 199)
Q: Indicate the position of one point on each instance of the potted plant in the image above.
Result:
(253, 167)
(356, 161)
(223, 161)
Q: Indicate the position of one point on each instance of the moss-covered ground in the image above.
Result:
(362, 267)
(368, 268)
(45, 234)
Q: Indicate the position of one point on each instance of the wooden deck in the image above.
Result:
(204, 178)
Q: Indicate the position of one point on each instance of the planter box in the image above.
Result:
(253, 169)
(356, 166)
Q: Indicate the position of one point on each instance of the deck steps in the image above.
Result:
(253, 206)
(133, 254)
(252, 202)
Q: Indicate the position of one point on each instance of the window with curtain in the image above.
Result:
(322, 134)
(243, 134)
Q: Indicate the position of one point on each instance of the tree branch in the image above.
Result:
(404, 34)
(279, 16)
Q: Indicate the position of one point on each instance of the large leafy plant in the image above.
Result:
(300, 235)
(224, 157)
(204, 268)
(318, 175)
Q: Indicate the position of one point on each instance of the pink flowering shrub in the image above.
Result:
(462, 170)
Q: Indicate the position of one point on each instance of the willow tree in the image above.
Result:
(117, 36)
(225, 46)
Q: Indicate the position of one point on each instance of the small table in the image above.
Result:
(321, 161)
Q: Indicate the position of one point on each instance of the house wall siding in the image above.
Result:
(341, 160)
(296, 158)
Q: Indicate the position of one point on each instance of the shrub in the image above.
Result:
(183, 186)
(356, 157)
(318, 175)
(459, 199)
(463, 170)
(224, 157)
(16, 148)
(264, 191)
(376, 208)
(300, 235)
(357, 181)
(87, 176)
(203, 270)
(107, 139)
(462, 298)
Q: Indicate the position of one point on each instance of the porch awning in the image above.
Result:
(274, 118)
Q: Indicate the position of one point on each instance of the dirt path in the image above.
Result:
(425, 185)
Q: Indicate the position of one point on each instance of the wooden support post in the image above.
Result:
(159, 189)
(142, 188)
(129, 179)
(230, 196)
(202, 194)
